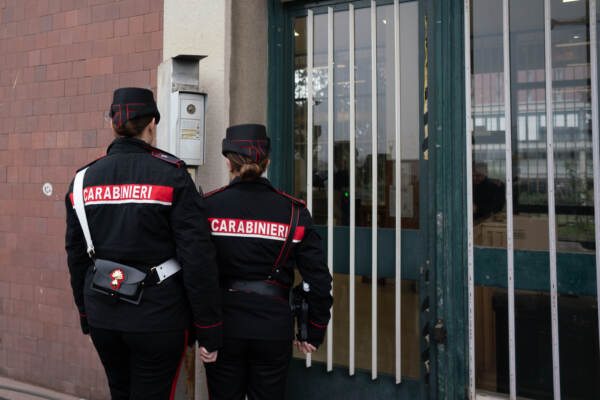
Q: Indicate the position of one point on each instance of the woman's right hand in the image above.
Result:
(304, 347)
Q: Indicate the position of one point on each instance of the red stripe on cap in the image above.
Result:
(132, 110)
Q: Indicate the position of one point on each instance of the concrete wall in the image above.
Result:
(60, 61)
(233, 36)
(202, 27)
(249, 40)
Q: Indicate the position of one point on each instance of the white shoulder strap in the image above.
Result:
(80, 210)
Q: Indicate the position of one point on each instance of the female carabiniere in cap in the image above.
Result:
(142, 265)
(260, 235)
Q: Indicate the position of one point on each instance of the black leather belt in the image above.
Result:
(266, 288)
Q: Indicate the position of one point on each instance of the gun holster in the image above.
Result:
(299, 306)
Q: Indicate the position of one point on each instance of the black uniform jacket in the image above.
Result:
(249, 223)
(143, 209)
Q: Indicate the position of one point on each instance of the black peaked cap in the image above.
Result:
(249, 140)
(130, 103)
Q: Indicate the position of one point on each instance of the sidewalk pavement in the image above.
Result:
(15, 390)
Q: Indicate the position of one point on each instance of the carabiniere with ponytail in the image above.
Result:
(261, 235)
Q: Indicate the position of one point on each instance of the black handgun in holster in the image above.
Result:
(299, 305)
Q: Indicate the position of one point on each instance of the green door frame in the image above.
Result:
(444, 296)
(447, 151)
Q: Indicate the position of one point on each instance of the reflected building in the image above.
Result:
(571, 115)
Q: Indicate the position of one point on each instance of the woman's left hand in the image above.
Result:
(207, 356)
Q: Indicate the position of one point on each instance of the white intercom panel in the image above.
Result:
(189, 126)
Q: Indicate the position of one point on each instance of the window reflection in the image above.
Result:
(320, 114)
(341, 122)
(489, 176)
(572, 125)
(341, 104)
(300, 107)
(386, 115)
(571, 122)
(362, 51)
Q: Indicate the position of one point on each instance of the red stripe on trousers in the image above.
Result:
(172, 396)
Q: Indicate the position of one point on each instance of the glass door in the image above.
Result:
(357, 125)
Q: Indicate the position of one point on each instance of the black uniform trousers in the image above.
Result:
(140, 365)
(252, 367)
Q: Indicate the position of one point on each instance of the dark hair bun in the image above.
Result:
(133, 127)
(248, 169)
(251, 171)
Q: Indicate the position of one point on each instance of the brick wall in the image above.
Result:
(60, 61)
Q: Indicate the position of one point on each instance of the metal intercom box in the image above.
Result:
(183, 132)
(190, 126)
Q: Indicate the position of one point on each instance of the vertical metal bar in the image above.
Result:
(374, 190)
(551, 203)
(351, 68)
(469, 168)
(309, 108)
(309, 120)
(509, 201)
(330, 134)
(398, 183)
(595, 141)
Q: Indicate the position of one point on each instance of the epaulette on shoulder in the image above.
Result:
(215, 191)
(166, 157)
(90, 163)
(295, 200)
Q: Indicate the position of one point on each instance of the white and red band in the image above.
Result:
(253, 229)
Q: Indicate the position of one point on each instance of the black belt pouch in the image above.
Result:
(118, 280)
